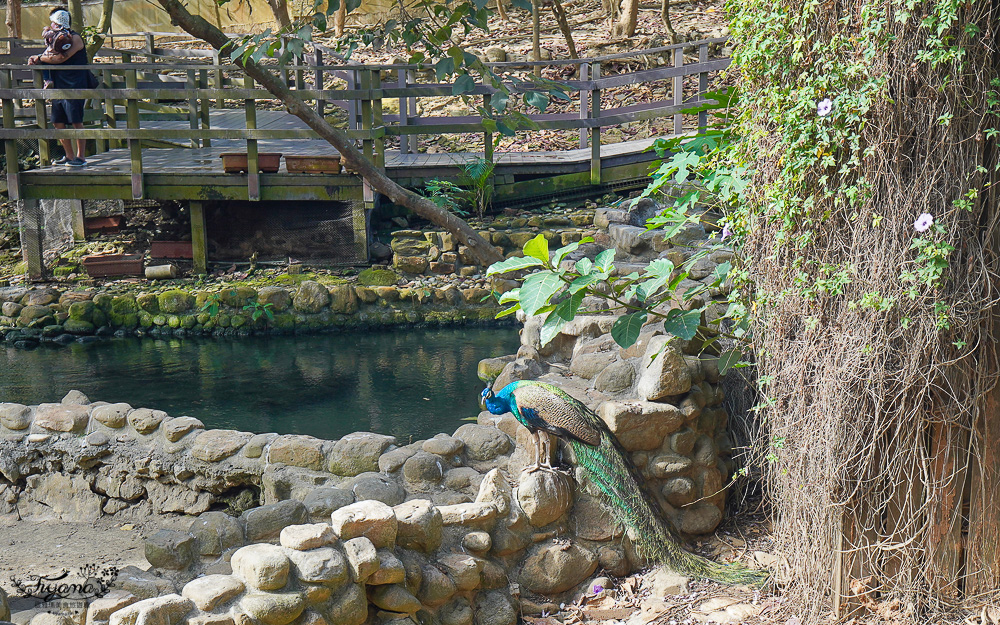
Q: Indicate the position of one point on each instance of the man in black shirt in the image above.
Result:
(66, 111)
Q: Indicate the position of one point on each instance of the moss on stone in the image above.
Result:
(238, 297)
(238, 321)
(174, 321)
(78, 326)
(175, 301)
(82, 311)
(377, 277)
(148, 302)
(188, 322)
(124, 304)
(283, 321)
(145, 320)
(160, 320)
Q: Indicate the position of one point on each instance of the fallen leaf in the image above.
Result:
(128, 527)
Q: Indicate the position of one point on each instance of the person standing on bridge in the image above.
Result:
(67, 48)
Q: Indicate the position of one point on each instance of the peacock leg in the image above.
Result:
(546, 450)
(538, 443)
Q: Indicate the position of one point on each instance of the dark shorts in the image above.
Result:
(67, 111)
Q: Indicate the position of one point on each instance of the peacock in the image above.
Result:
(543, 407)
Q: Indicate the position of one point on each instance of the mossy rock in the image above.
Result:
(377, 277)
(78, 326)
(174, 321)
(160, 320)
(238, 321)
(82, 311)
(293, 279)
(283, 321)
(148, 302)
(203, 318)
(145, 320)
(222, 320)
(98, 318)
(124, 304)
(175, 301)
(62, 272)
(188, 322)
(128, 320)
(238, 297)
(103, 301)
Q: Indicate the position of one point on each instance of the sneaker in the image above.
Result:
(76, 162)
(61, 161)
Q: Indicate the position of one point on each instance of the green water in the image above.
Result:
(413, 383)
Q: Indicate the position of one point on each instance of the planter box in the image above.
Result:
(313, 164)
(113, 265)
(170, 249)
(104, 225)
(236, 162)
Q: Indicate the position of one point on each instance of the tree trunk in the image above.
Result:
(339, 18)
(665, 17)
(536, 37)
(560, 14)
(107, 9)
(198, 27)
(76, 15)
(627, 19)
(280, 10)
(502, 10)
(14, 18)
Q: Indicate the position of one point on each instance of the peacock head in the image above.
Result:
(492, 402)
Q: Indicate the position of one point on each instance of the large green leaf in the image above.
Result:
(561, 253)
(508, 311)
(537, 248)
(513, 263)
(657, 274)
(464, 84)
(444, 68)
(584, 266)
(727, 359)
(564, 312)
(537, 289)
(513, 295)
(582, 282)
(626, 328)
(682, 323)
(605, 260)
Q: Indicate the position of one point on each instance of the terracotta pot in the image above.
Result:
(236, 162)
(313, 164)
(113, 265)
(170, 249)
(110, 224)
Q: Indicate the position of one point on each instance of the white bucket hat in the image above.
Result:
(60, 17)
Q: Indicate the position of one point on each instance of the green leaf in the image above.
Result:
(537, 289)
(563, 313)
(498, 101)
(657, 274)
(537, 99)
(444, 68)
(510, 296)
(352, 4)
(513, 263)
(582, 282)
(505, 129)
(456, 53)
(727, 359)
(584, 266)
(559, 254)
(682, 323)
(522, 4)
(626, 328)
(537, 248)
(464, 84)
(605, 260)
(508, 311)
(416, 57)
(720, 273)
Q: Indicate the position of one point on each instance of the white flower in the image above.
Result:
(825, 107)
(924, 222)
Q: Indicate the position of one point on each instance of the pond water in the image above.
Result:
(412, 384)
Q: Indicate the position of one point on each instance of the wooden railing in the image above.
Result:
(142, 89)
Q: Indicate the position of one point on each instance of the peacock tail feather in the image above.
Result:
(608, 466)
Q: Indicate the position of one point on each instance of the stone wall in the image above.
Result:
(30, 316)
(437, 253)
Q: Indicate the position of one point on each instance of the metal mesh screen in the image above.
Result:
(321, 232)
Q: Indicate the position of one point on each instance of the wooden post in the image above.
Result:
(206, 116)
(595, 132)
(404, 140)
(253, 169)
(367, 145)
(134, 145)
(536, 48)
(76, 220)
(377, 123)
(983, 565)
(193, 113)
(220, 79)
(702, 86)
(949, 463)
(109, 110)
(30, 222)
(10, 145)
(411, 109)
(678, 91)
(487, 135)
(44, 158)
(318, 80)
(199, 239)
(584, 103)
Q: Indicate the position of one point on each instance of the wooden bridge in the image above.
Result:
(161, 118)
